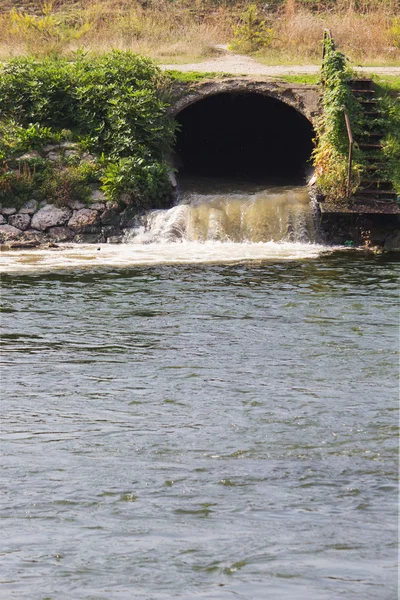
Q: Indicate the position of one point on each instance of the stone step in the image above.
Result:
(376, 184)
(361, 84)
(363, 92)
(372, 113)
(368, 101)
(363, 146)
(376, 195)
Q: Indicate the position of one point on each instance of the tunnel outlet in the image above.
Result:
(248, 136)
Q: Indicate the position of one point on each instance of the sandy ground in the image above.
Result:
(237, 64)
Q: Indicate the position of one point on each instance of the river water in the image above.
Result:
(199, 419)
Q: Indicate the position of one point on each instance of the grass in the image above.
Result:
(301, 79)
(193, 76)
(186, 31)
(391, 83)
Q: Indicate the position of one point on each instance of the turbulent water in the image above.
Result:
(207, 227)
(223, 428)
(273, 215)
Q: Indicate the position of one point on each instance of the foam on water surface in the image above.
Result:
(223, 227)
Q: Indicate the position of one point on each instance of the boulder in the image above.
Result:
(76, 204)
(100, 206)
(3, 220)
(50, 216)
(110, 231)
(49, 148)
(54, 156)
(130, 217)
(22, 243)
(89, 238)
(8, 232)
(67, 145)
(29, 208)
(60, 234)
(29, 155)
(110, 216)
(97, 196)
(20, 221)
(88, 158)
(126, 198)
(83, 218)
(71, 153)
(36, 236)
(8, 211)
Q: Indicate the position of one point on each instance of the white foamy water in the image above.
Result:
(79, 256)
(205, 228)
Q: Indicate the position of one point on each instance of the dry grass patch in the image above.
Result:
(189, 30)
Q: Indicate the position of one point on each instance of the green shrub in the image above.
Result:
(252, 32)
(63, 185)
(142, 178)
(19, 184)
(111, 105)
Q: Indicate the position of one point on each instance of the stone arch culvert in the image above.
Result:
(260, 131)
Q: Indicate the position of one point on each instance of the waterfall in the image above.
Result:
(273, 215)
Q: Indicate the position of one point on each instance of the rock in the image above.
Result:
(29, 208)
(76, 204)
(126, 198)
(110, 231)
(35, 236)
(54, 156)
(67, 145)
(392, 242)
(61, 234)
(111, 204)
(49, 148)
(21, 244)
(8, 232)
(50, 216)
(8, 211)
(130, 218)
(88, 158)
(100, 206)
(71, 154)
(83, 218)
(97, 196)
(29, 155)
(89, 238)
(3, 220)
(110, 217)
(20, 221)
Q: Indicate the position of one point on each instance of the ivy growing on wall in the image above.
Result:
(330, 155)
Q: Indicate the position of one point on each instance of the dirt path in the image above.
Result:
(237, 64)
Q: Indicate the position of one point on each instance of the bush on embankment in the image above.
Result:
(109, 109)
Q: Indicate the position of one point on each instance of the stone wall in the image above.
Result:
(42, 223)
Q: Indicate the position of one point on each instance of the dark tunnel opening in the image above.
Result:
(245, 136)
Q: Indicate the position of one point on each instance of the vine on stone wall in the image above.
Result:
(330, 155)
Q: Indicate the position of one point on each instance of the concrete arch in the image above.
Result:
(249, 130)
(303, 98)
